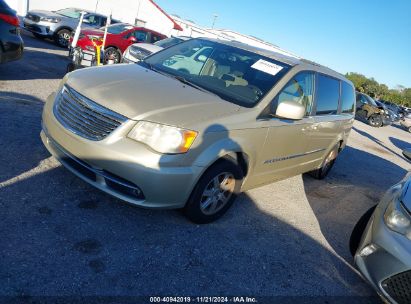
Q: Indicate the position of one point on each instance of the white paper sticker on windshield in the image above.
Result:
(267, 67)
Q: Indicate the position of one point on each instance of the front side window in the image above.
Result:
(92, 20)
(327, 95)
(347, 98)
(236, 75)
(299, 89)
(140, 35)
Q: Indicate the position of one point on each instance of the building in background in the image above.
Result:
(145, 13)
(191, 29)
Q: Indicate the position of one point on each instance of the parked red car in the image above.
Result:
(119, 37)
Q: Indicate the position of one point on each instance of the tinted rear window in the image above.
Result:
(347, 98)
(328, 93)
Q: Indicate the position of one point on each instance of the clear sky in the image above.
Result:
(369, 37)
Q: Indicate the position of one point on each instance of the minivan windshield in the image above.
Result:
(234, 74)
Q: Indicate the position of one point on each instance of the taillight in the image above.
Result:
(10, 19)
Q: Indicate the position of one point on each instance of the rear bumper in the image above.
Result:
(11, 46)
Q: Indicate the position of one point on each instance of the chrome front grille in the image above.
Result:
(84, 117)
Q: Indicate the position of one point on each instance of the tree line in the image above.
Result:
(369, 86)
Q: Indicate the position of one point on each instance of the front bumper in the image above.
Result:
(100, 163)
(46, 29)
(387, 120)
(392, 258)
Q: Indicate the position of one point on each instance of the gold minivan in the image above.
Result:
(195, 124)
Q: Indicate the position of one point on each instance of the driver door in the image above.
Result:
(285, 151)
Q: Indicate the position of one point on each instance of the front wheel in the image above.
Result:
(327, 164)
(375, 120)
(358, 230)
(215, 192)
(62, 38)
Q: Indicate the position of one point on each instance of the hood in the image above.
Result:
(94, 32)
(152, 48)
(42, 13)
(406, 195)
(141, 94)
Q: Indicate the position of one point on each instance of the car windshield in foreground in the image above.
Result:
(117, 28)
(235, 75)
(70, 12)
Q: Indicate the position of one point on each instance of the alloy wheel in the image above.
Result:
(217, 193)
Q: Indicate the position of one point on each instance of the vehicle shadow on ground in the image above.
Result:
(400, 127)
(31, 41)
(59, 235)
(37, 63)
(400, 144)
(21, 149)
(379, 142)
(335, 203)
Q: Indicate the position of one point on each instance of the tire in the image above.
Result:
(208, 201)
(358, 230)
(375, 120)
(62, 37)
(111, 51)
(327, 164)
(409, 129)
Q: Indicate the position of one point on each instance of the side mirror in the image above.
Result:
(290, 110)
(132, 39)
(407, 153)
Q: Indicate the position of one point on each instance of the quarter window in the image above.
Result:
(299, 89)
(347, 98)
(327, 95)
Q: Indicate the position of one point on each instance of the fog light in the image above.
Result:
(367, 250)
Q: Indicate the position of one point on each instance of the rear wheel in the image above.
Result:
(215, 192)
(375, 120)
(327, 164)
(62, 38)
(358, 230)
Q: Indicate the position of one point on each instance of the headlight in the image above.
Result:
(397, 218)
(50, 19)
(162, 138)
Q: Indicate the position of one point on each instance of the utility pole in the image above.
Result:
(215, 16)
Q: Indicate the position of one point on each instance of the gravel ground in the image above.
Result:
(59, 236)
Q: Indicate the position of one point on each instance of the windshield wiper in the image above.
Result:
(192, 84)
(179, 78)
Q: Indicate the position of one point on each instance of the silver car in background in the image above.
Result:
(58, 25)
(381, 243)
(138, 51)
